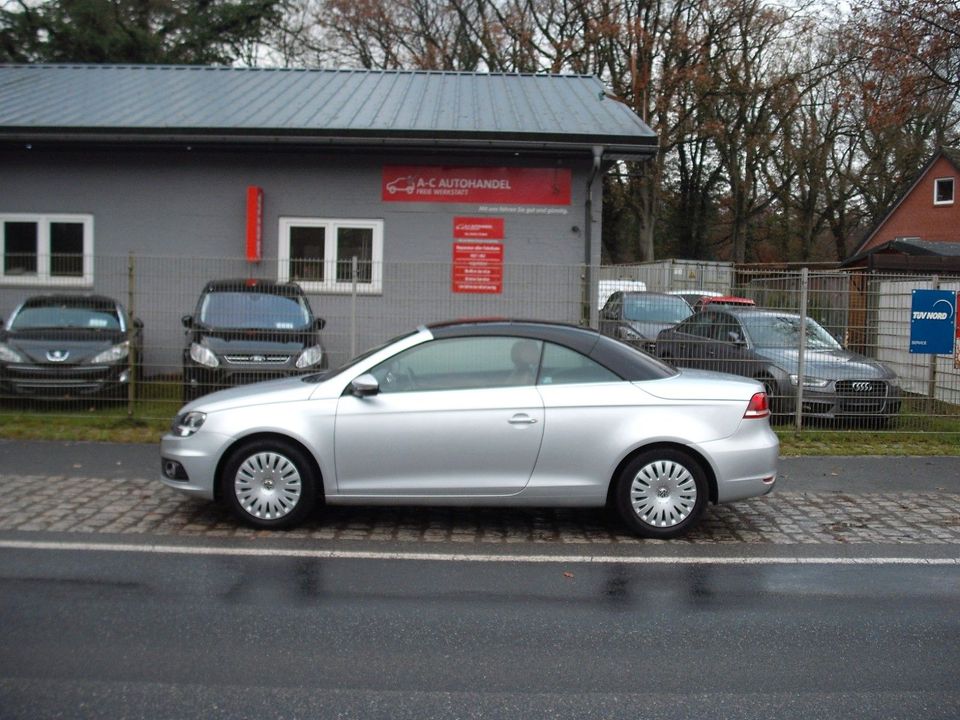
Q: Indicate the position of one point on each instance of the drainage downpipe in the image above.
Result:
(591, 312)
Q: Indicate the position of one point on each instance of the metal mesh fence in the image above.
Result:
(832, 347)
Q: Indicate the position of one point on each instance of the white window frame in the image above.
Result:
(331, 226)
(43, 276)
(953, 187)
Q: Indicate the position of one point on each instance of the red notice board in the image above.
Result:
(478, 267)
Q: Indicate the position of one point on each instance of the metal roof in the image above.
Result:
(221, 104)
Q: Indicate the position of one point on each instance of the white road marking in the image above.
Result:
(465, 557)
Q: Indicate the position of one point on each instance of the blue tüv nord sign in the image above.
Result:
(933, 318)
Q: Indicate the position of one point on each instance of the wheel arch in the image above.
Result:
(663, 445)
(256, 437)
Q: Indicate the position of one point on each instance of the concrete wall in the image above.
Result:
(179, 216)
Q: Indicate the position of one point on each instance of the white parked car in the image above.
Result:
(482, 413)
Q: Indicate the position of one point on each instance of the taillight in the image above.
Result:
(758, 406)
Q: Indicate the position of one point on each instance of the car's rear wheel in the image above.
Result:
(661, 493)
(269, 483)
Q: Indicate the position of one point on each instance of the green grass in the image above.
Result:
(921, 429)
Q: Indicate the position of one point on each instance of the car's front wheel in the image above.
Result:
(661, 493)
(269, 483)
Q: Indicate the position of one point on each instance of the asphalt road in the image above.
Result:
(843, 603)
(137, 635)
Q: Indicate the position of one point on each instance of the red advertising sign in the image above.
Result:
(254, 223)
(470, 228)
(478, 268)
(507, 186)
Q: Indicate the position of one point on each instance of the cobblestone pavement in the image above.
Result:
(33, 503)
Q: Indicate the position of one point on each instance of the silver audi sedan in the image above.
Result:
(492, 413)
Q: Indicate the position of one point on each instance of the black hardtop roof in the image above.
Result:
(625, 360)
(76, 300)
(253, 285)
(648, 293)
(748, 311)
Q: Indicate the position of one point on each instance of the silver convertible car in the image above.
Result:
(493, 413)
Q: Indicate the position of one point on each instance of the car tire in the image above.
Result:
(661, 493)
(269, 483)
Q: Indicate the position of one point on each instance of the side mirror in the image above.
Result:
(365, 385)
(187, 321)
(734, 337)
(319, 323)
(137, 324)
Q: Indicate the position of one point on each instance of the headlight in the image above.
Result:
(8, 354)
(810, 382)
(114, 354)
(310, 356)
(203, 356)
(186, 424)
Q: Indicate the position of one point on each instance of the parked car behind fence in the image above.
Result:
(637, 317)
(766, 345)
(68, 347)
(245, 331)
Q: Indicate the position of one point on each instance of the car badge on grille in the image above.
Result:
(861, 386)
(57, 355)
(257, 358)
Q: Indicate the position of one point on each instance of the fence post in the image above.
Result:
(354, 266)
(131, 333)
(932, 382)
(801, 350)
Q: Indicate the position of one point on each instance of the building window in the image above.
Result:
(318, 254)
(46, 250)
(943, 191)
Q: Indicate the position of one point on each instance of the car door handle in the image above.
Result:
(522, 420)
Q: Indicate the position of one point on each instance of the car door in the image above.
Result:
(453, 417)
(728, 352)
(688, 345)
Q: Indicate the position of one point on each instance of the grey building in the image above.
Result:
(458, 193)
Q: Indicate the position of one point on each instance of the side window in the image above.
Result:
(612, 309)
(461, 364)
(699, 325)
(728, 329)
(563, 366)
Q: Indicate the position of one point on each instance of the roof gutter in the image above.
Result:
(619, 148)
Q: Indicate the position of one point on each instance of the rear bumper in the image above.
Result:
(745, 464)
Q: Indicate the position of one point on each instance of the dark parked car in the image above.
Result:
(68, 346)
(637, 317)
(765, 345)
(245, 331)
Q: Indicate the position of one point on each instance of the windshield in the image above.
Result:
(655, 308)
(253, 311)
(783, 331)
(66, 316)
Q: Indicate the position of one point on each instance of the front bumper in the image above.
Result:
(842, 400)
(197, 456)
(63, 381)
(200, 380)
